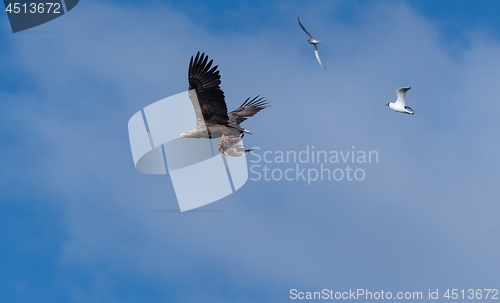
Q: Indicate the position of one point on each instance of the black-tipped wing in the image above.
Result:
(247, 109)
(401, 92)
(205, 82)
(304, 29)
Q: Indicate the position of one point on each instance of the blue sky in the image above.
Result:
(80, 224)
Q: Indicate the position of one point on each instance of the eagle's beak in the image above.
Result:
(387, 104)
(183, 134)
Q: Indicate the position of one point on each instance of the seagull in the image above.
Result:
(313, 42)
(229, 146)
(399, 105)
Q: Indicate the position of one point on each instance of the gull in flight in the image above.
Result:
(313, 42)
(399, 105)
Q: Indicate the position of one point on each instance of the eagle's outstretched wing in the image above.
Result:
(247, 109)
(205, 82)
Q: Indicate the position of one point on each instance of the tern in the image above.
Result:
(313, 42)
(399, 105)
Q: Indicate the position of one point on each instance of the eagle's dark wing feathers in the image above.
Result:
(247, 109)
(205, 82)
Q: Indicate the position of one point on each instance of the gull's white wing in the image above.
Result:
(303, 28)
(400, 92)
(317, 55)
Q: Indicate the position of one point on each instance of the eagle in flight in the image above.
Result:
(212, 117)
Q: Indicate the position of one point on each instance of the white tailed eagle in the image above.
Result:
(213, 120)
